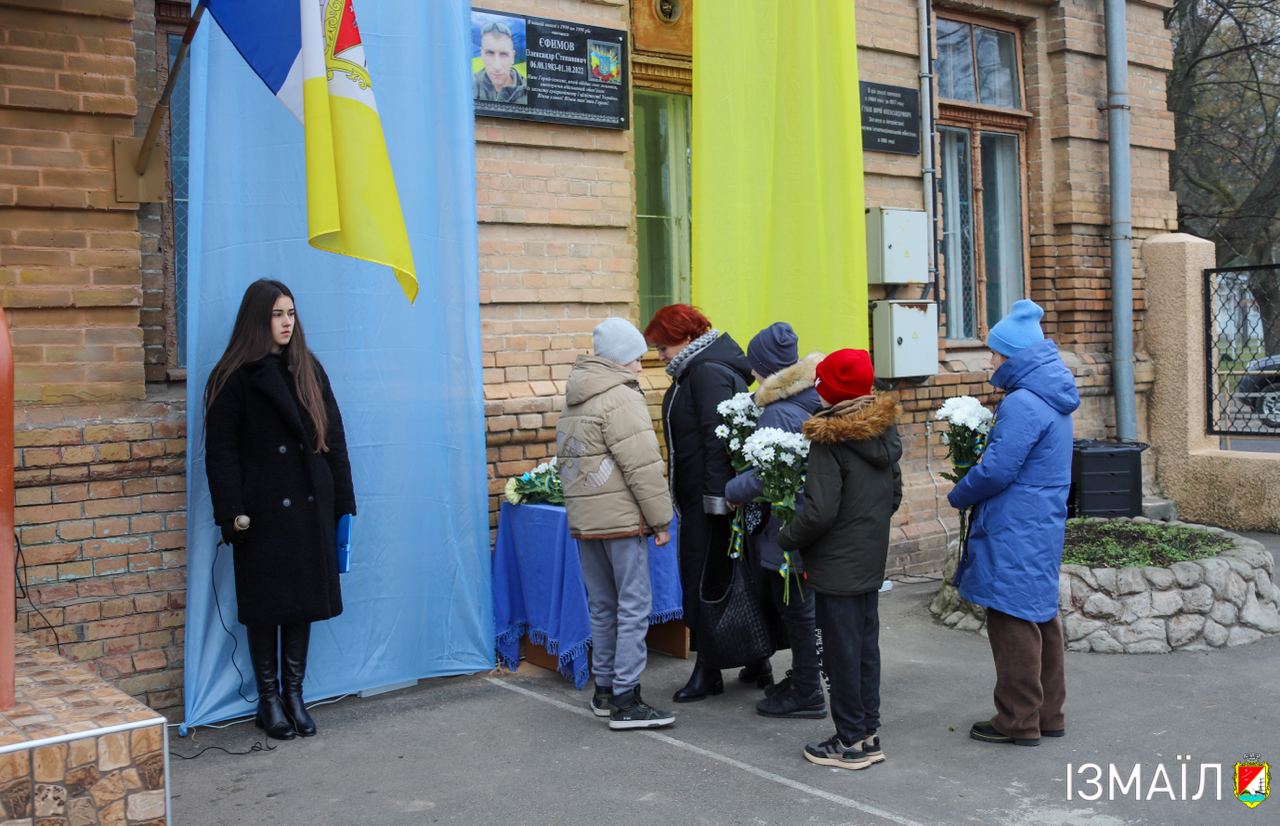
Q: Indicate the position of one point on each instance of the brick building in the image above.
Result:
(570, 231)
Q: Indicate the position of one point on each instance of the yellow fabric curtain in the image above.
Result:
(779, 229)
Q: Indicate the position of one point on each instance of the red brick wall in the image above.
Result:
(100, 455)
(557, 255)
(68, 252)
(101, 510)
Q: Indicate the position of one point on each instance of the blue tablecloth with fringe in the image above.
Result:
(538, 589)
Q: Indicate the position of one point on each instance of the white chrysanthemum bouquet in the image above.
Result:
(968, 425)
(780, 459)
(740, 414)
(538, 486)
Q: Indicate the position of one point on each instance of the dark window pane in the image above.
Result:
(1001, 223)
(997, 68)
(957, 238)
(659, 283)
(955, 61)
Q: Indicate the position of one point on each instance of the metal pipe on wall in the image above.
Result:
(8, 575)
(928, 170)
(1121, 221)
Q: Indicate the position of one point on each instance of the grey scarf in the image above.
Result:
(676, 366)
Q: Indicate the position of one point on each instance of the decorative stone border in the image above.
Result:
(1225, 600)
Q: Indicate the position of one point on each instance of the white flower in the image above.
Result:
(966, 412)
(722, 431)
(510, 492)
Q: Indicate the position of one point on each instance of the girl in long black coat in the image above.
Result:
(276, 458)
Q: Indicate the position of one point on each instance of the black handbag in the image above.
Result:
(733, 629)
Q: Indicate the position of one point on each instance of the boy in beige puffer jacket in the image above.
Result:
(615, 494)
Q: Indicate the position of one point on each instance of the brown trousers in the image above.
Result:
(1031, 684)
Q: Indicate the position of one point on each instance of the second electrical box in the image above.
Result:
(905, 337)
(897, 241)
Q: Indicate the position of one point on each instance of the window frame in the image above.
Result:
(979, 118)
(660, 70)
(683, 285)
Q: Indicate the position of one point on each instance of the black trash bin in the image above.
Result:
(1106, 478)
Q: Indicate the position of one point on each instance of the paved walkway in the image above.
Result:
(522, 749)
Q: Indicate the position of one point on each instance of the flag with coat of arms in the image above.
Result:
(310, 55)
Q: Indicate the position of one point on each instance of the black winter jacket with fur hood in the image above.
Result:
(852, 490)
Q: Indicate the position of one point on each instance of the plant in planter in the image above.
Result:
(1135, 586)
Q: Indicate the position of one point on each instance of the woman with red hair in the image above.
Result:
(706, 368)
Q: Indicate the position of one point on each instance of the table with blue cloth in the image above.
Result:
(538, 590)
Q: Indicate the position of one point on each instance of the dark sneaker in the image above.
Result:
(791, 703)
(871, 748)
(986, 733)
(1056, 732)
(831, 752)
(602, 702)
(780, 685)
(630, 711)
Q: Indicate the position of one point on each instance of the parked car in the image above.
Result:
(1259, 389)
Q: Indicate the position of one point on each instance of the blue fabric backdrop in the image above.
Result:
(407, 378)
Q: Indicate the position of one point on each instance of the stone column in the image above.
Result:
(1237, 490)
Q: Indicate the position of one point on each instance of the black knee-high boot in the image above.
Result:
(296, 637)
(263, 642)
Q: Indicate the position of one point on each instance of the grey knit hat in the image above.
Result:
(617, 340)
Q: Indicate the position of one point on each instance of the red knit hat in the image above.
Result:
(845, 374)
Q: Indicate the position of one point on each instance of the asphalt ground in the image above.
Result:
(523, 748)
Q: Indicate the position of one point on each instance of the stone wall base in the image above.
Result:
(77, 751)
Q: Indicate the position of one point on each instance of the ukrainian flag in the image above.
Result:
(310, 55)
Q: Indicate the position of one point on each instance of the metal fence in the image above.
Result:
(1242, 345)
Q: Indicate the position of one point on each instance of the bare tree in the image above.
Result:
(1224, 91)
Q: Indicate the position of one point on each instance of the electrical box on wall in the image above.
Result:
(897, 242)
(905, 338)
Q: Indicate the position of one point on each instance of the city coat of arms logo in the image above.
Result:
(605, 61)
(1253, 781)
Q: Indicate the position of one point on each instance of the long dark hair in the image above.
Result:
(251, 340)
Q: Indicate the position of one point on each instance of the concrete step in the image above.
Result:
(1159, 509)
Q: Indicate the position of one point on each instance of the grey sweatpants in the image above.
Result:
(619, 596)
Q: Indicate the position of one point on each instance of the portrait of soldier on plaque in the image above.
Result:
(498, 59)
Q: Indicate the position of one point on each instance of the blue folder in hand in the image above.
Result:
(344, 544)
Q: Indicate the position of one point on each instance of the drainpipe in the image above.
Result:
(1121, 222)
(927, 169)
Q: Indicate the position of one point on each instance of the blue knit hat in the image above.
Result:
(773, 348)
(1019, 329)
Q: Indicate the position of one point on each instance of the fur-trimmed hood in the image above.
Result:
(861, 422)
(789, 381)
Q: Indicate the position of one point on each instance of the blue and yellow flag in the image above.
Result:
(311, 57)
